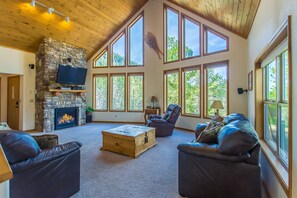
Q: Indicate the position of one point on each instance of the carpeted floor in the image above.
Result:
(107, 174)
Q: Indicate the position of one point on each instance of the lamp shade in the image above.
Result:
(154, 99)
(217, 104)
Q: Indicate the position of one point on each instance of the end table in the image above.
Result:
(147, 112)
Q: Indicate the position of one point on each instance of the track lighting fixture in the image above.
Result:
(50, 10)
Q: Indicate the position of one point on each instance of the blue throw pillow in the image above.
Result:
(19, 146)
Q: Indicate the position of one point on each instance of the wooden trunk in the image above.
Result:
(128, 140)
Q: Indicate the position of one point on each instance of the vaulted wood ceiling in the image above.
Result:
(94, 21)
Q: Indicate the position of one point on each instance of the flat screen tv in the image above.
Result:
(71, 75)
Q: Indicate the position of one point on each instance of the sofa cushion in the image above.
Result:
(19, 146)
(233, 117)
(209, 136)
(237, 138)
(4, 126)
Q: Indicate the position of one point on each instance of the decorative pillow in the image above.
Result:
(19, 146)
(4, 126)
(209, 136)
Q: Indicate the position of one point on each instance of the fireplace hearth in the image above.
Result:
(66, 117)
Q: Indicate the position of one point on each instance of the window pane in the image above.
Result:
(215, 43)
(270, 123)
(285, 75)
(192, 92)
(118, 93)
(118, 52)
(172, 36)
(102, 60)
(271, 80)
(136, 92)
(101, 93)
(172, 88)
(217, 88)
(284, 129)
(191, 39)
(136, 43)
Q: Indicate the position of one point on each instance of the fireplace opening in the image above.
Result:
(66, 117)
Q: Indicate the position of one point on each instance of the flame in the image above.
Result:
(66, 119)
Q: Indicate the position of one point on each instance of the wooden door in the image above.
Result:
(0, 99)
(13, 100)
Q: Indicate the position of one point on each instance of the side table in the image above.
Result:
(147, 112)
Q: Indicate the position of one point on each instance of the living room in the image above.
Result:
(35, 62)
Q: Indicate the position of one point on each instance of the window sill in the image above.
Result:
(279, 170)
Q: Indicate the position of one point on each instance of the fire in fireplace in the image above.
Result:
(66, 117)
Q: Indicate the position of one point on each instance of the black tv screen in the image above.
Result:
(71, 75)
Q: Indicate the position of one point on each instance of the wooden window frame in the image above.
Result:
(165, 35)
(141, 15)
(99, 56)
(283, 175)
(125, 46)
(209, 29)
(183, 45)
(94, 92)
(205, 67)
(165, 72)
(183, 101)
(128, 88)
(111, 91)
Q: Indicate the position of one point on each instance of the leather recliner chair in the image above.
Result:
(49, 173)
(229, 168)
(165, 124)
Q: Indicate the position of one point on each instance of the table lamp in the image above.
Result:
(154, 100)
(217, 104)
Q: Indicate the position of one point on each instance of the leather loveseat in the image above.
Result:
(48, 173)
(165, 124)
(230, 168)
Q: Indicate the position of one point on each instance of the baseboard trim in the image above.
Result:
(31, 131)
(118, 122)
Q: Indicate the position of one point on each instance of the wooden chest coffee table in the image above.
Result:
(131, 140)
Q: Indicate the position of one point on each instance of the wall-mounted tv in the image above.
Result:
(71, 75)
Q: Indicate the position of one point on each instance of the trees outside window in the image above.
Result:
(214, 41)
(216, 82)
(136, 42)
(191, 37)
(118, 90)
(101, 92)
(135, 92)
(191, 91)
(172, 87)
(101, 60)
(118, 51)
(172, 35)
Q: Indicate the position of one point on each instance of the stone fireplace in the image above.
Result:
(49, 55)
(66, 117)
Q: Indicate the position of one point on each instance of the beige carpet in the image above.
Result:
(105, 174)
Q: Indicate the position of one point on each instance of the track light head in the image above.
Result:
(50, 10)
(67, 19)
(33, 3)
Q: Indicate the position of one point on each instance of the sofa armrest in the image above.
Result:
(159, 121)
(210, 151)
(46, 141)
(46, 156)
(154, 116)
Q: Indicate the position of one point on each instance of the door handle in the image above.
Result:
(17, 104)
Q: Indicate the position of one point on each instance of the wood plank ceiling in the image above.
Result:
(236, 16)
(94, 21)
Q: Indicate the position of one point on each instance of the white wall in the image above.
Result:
(153, 22)
(17, 62)
(270, 15)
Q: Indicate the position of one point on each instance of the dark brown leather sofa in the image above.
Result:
(229, 168)
(165, 124)
(48, 173)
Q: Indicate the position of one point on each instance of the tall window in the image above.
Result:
(100, 96)
(118, 89)
(171, 85)
(214, 41)
(101, 60)
(171, 32)
(191, 37)
(191, 91)
(136, 42)
(135, 92)
(216, 81)
(276, 97)
(118, 51)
